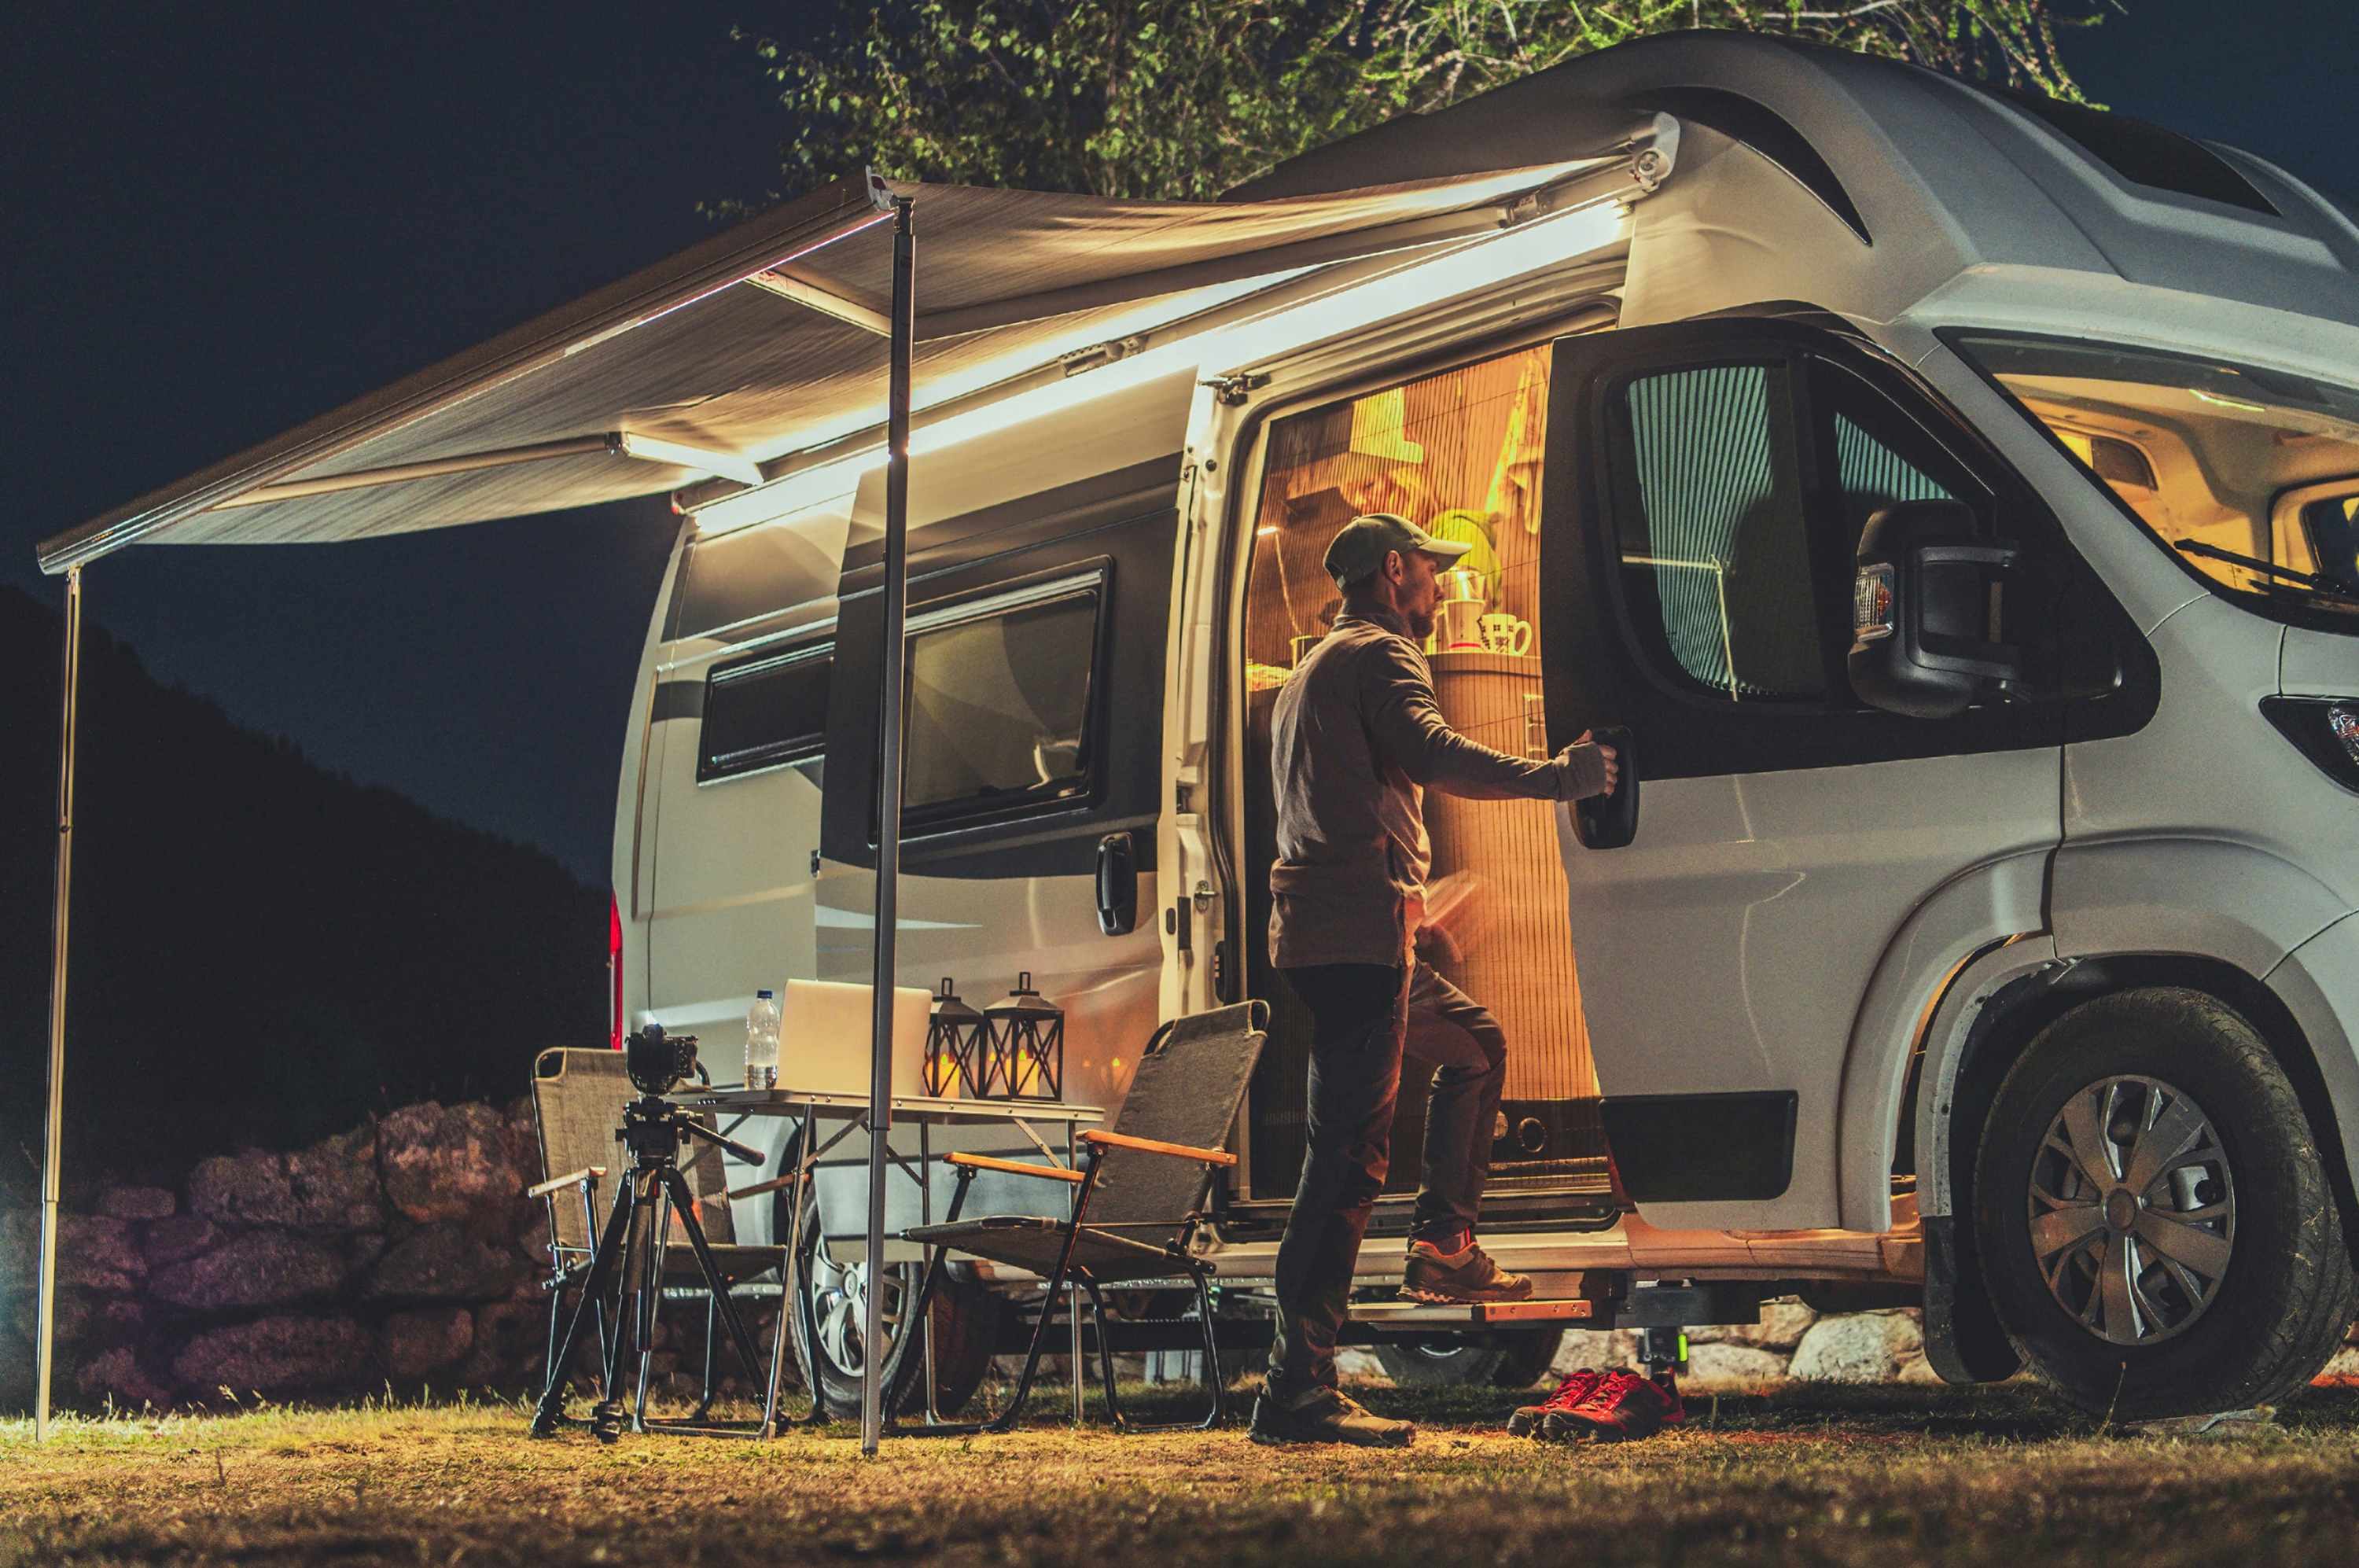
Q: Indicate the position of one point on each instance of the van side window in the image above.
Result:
(765, 712)
(1715, 549)
(1000, 703)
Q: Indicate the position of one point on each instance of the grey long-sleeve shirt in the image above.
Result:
(1356, 738)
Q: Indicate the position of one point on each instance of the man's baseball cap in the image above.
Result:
(1361, 545)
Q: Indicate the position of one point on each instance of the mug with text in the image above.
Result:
(1507, 634)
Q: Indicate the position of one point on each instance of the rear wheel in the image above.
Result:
(829, 1329)
(2156, 1228)
(1504, 1359)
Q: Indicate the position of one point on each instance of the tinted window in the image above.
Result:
(763, 712)
(999, 707)
(2140, 153)
(1715, 555)
(2332, 526)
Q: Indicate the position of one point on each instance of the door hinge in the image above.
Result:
(1232, 390)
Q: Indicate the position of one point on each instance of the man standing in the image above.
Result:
(1356, 738)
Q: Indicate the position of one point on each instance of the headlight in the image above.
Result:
(2326, 729)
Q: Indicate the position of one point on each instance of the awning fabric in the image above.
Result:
(762, 340)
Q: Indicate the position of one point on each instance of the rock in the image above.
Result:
(1734, 1363)
(20, 1246)
(329, 1186)
(448, 1162)
(1594, 1347)
(276, 1356)
(117, 1374)
(1916, 1369)
(261, 1269)
(1861, 1347)
(137, 1202)
(412, 1344)
(181, 1236)
(72, 1313)
(17, 1371)
(96, 1252)
(1783, 1323)
(511, 1341)
(444, 1263)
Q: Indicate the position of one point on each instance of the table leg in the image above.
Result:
(926, 1216)
(790, 1297)
(1073, 1292)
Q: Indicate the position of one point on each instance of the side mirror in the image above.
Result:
(1928, 611)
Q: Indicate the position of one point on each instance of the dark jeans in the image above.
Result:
(1365, 1017)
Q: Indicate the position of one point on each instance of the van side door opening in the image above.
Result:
(1459, 451)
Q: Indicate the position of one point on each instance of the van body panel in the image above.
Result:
(1987, 904)
(2319, 664)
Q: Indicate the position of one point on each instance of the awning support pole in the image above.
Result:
(54, 1135)
(889, 809)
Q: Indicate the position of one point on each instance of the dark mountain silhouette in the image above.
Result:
(264, 951)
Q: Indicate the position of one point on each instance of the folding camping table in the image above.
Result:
(810, 1107)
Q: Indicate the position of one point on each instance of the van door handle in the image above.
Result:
(1118, 884)
(1611, 821)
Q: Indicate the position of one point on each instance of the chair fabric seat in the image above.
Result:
(1030, 1242)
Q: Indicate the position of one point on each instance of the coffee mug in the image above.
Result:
(1507, 634)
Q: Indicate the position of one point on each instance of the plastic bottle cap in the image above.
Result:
(764, 996)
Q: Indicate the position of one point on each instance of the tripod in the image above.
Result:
(652, 1131)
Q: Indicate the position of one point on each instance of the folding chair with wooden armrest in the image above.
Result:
(1151, 1175)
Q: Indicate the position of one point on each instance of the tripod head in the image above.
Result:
(654, 1128)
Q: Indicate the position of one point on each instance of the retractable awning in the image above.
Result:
(768, 339)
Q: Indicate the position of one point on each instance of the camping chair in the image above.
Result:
(1136, 1203)
(577, 1101)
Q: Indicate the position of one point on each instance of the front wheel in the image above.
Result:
(2156, 1228)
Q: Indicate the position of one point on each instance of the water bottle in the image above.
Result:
(762, 1041)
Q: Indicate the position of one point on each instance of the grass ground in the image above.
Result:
(1882, 1477)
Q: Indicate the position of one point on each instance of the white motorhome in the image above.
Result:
(1953, 493)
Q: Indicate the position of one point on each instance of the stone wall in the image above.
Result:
(403, 1253)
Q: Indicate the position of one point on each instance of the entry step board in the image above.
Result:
(1475, 1314)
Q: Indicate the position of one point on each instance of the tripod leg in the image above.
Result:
(552, 1398)
(677, 1185)
(658, 1209)
(628, 1200)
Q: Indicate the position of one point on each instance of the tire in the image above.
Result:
(1504, 1359)
(965, 1315)
(2233, 1307)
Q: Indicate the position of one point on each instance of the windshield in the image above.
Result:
(2251, 475)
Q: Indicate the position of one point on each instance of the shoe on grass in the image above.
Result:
(1569, 1394)
(1622, 1408)
(1466, 1275)
(1326, 1415)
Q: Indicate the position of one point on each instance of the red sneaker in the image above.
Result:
(1577, 1386)
(1622, 1408)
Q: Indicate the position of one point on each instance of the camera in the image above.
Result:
(658, 1063)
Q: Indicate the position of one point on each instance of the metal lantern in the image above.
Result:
(1027, 1045)
(958, 1049)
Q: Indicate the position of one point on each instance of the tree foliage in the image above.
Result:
(1186, 98)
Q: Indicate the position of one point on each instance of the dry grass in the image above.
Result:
(1877, 1477)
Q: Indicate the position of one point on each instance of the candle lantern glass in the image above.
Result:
(958, 1049)
(1027, 1045)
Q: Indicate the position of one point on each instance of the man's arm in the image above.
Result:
(1397, 701)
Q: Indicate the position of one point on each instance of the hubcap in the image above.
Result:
(2133, 1210)
(839, 1298)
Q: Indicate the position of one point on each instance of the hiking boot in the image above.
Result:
(1467, 1275)
(1326, 1415)
(1622, 1407)
(1576, 1388)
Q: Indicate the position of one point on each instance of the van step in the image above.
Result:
(1475, 1314)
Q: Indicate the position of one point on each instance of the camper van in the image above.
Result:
(1953, 494)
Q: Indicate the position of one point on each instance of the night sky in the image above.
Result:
(220, 220)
